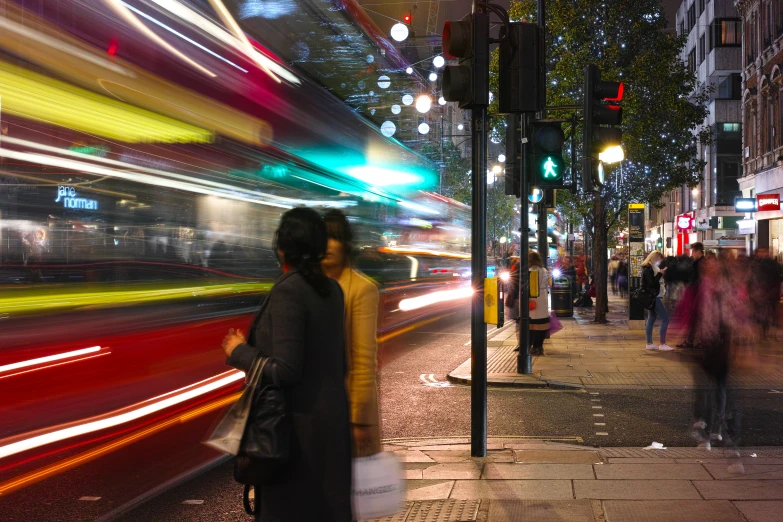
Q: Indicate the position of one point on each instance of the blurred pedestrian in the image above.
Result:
(764, 289)
(568, 270)
(622, 278)
(614, 264)
(539, 311)
(300, 328)
(652, 282)
(361, 327)
(689, 304)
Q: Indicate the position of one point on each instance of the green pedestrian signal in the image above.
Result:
(548, 164)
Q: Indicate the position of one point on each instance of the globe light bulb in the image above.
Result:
(438, 61)
(409, 70)
(399, 32)
(502, 158)
(433, 77)
(424, 128)
(442, 101)
(423, 104)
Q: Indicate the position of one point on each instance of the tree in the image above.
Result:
(662, 107)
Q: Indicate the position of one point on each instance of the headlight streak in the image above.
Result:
(80, 359)
(146, 179)
(414, 303)
(269, 66)
(287, 202)
(177, 33)
(131, 19)
(136, 412)
(48, 358)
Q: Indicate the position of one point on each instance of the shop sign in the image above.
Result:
(684, 222)
(745, 205)
(70, 199)
(768, 202)
(746, 226)
(703, 224)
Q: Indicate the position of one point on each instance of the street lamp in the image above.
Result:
(497, 169)
(502, 158)
(612, 155)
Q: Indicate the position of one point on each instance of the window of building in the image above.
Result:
(692, 17)
(726, 32)
(770, 25)
(682, 27)
(770, 127)
(731, 127)
(702, 49)
(692, 61)
(730, 87)
(701, 7)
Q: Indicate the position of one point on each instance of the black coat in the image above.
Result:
(304, 333)
(650, 280)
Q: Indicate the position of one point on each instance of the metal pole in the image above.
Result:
(543, 244)
(524, 361)
(440, 191)
(478, 266)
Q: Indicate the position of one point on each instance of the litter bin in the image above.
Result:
(562, 302)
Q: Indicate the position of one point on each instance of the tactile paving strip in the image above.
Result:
(540, 511)
(444, 511)
(504, 360)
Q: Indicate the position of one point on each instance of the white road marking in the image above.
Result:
(595, 400)
(594, 393)
(466, 344)
(193, 502)
(601, 433)
(600, 423)
(89, 499)
(775, 391)
(598, 414)
(430, 380)
(597, 407)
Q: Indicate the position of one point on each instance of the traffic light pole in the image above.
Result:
(478, 267)
(543, 244)
(524, 361)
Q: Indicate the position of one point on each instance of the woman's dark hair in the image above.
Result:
(338, 228)
(301, 236)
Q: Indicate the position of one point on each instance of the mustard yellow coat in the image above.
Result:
(361, 326)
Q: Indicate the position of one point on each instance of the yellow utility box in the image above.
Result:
(493, 301)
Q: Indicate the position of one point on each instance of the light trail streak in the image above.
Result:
(414, 303)
(55, 364)
(40, 474)
(136, 412)
(48, 358)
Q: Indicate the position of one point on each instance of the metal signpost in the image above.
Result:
(635, 259)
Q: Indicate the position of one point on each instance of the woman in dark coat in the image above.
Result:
(301, 327)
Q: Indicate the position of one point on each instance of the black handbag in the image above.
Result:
(266, 443)
(644, 297)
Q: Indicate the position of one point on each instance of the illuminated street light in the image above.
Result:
(695, 191)
(612, 155)
(502, 158)
(433, 77)
(438, 61)
(460, 127)
(503, 240)
(497, 169)
(399, 32)
(423, 104)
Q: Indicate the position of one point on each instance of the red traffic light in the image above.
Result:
(619, 96)
(406, 18)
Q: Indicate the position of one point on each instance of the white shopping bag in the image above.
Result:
(378, 486)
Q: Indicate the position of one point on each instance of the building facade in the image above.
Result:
(762, 158)
(714, 53)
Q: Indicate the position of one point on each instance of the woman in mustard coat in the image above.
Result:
(361, 323)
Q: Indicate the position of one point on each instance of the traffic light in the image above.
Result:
(548, 164)
(407, 19)
(468, 40)
(659, 244)
(602, 116)
(513, 155)
(521, 72)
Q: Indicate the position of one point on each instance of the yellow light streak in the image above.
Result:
(37, 97)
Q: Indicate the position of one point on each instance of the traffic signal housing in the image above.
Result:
(547, 154)
(406, 19)
(513, 177)
(468, 40)
(521, 72)
(602, 117)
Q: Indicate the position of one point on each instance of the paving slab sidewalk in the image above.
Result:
(539, 479)
(612, 355)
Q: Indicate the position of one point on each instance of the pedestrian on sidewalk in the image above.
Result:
(300, 330)
(652, 281)
(539, 311)
(614, 264)
(689, 304)
(361, 325)
(622, 278)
